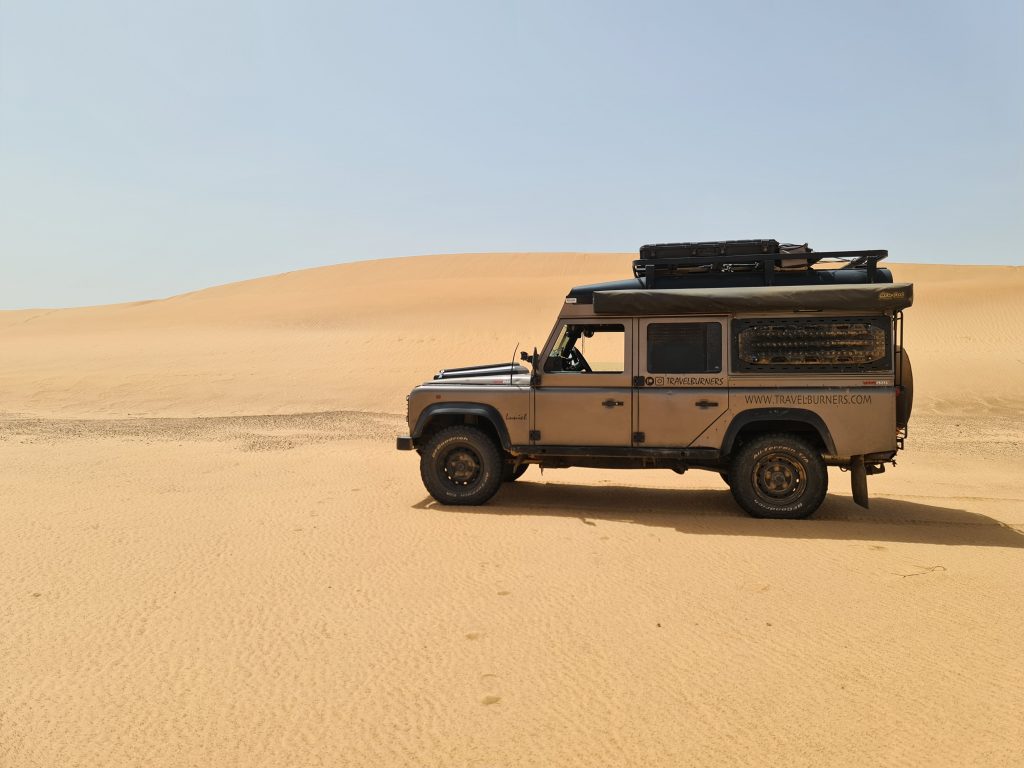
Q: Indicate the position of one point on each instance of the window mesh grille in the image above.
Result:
(830, 344)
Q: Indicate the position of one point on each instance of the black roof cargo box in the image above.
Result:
(710, 248)
(742, 264)
(733, 257)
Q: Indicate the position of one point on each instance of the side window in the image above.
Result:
(588, 348)
(684, 347)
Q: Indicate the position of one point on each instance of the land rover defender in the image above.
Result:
(763, 362)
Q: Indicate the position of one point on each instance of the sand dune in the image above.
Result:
(185, 584)
(358, 335)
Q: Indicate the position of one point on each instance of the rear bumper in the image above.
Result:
(404, 443)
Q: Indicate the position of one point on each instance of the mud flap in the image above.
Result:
(859, 481)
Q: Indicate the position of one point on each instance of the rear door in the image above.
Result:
(682, 387)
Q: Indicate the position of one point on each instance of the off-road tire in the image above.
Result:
(725, 477)
(905, 398)
(461, 465)
(510, 472)
(779, 476)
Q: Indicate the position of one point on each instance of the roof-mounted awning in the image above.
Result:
(874, 297)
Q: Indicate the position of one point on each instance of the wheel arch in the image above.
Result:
(762, 420)
(440, 415)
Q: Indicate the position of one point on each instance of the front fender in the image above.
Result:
(488, 412)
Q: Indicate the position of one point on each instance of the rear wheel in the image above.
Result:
(779, 476)
(461, 465)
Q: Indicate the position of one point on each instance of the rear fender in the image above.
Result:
(773, 417)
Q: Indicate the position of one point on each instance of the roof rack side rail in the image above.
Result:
(867, 259)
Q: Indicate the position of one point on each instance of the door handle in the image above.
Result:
(706, 404)
(612, 403)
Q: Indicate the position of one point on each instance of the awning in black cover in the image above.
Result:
(876, 297)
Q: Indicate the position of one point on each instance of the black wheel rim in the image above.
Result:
(779, 479)
(461, 466)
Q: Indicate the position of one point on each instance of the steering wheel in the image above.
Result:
(574, 361)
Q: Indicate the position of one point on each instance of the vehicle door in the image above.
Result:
(682, 387)
(584, 395)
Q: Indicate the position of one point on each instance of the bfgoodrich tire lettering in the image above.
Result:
(778, 476)
(461, 465)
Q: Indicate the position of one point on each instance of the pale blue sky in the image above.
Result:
(152, 148)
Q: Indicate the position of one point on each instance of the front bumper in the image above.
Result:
(404, 443)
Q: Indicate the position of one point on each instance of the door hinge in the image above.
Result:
(639, 437)
(534, 434)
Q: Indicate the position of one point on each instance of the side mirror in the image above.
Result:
(526, 356)
(534, 359)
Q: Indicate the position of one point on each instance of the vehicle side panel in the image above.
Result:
(598, 416)
(511, 402)
(861, 420)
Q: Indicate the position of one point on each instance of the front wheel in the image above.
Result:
(461, 465)
(779, 476)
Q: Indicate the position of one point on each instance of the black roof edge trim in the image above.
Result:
(584, 294)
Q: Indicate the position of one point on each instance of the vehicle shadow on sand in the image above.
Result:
(714, 512)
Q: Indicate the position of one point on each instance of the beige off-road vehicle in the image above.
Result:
(765, 363)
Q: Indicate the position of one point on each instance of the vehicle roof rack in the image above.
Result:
(727, 258)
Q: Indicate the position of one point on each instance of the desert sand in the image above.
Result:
(212, 555)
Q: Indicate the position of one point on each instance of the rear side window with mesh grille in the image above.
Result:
(828, 344)
(684, 347)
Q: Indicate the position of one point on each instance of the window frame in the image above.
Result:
(581, 378)
(709, 345)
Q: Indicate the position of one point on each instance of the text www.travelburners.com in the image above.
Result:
(834, 399)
